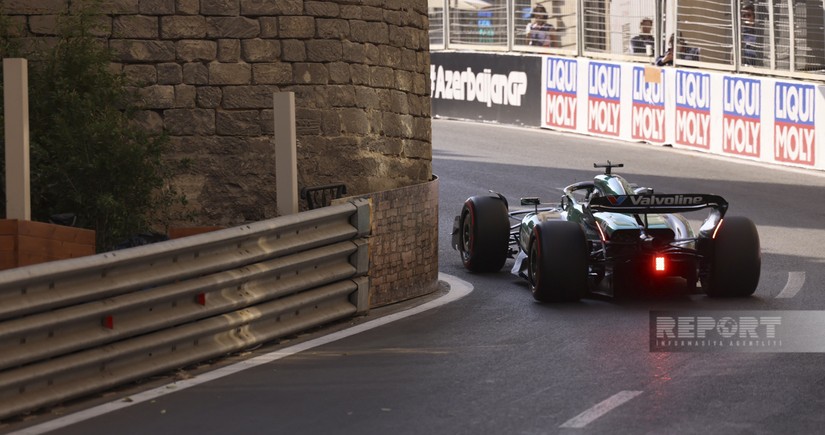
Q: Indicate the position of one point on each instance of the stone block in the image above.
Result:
(354, 121)
(271, 73)
(321, 8)
(271, 7)
(324, 50)
(135, 27)
(332, 29)
(232, 27)
(220, 7)
(156, 7)
(373, 32)
(170, 74)
(269, 27)
(229, 50)
(183, 27)
(43, 25)
(141, 75)
(248, 97)
(189, 122)
(296, 27)
(293, 50)
(260, 50)
(195, 73)
(132, 50)
(185, 96)
(208, 97)
(238, 123)
(310, 73)
(230, 73)
(156, 97)
(187, 7)
(339, 72)
(196, 50)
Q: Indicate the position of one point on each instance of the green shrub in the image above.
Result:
(88, 156)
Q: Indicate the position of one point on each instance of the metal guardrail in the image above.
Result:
(79, 326)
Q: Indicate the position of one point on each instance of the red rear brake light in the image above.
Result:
(659, 263)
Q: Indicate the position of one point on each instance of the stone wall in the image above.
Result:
(403, 243)
(206, 71)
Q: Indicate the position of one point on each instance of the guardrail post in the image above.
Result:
(361, 258)
(362, 217)
(361, 297)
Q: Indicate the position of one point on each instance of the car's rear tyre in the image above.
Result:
(736, 259)
(484, 234)
(557, 262)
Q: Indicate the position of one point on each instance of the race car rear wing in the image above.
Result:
(658, 203)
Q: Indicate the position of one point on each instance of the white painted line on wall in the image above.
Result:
(458, 289)
(795, 282)
(600, 409)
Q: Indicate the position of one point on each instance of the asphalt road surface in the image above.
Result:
(497, 362)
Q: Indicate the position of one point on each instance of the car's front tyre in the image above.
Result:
(557, 261)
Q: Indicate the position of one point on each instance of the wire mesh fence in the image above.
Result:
(778, 37)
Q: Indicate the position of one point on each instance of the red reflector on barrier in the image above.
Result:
(109, 322)
(659, 264)
(202, 298)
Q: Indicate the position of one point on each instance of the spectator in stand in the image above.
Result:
(639, 44)
(540, 33)
(750, 36)
(686, 52)
(667, 58)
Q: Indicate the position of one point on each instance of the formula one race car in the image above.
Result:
(611, 238)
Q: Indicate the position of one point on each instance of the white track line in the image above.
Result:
(795, 282)
(600, 409)
(458, 289)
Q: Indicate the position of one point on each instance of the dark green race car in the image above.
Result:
(611, 238)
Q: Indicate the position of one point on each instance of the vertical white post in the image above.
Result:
(286, 154)
(16, 105)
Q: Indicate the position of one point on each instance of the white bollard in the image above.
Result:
(16, 105)
(286, 154)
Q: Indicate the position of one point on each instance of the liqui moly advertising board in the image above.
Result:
(648, 112)
(604, 86)
(742, 117)
(561, 99)
(693, 109)
(794, 130)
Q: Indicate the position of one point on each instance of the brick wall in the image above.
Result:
(403, 243)
(206, 71)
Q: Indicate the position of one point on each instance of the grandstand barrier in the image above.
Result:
(766, 119)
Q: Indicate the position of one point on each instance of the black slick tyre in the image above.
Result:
(557, 262)
(736, 259)
(484, 234)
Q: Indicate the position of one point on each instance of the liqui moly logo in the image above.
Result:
(742, 119)
(648, 115)
(693, 109)
(561, 93)
(794, 132)
(604, 83)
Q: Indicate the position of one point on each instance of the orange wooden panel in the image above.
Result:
(56, 232)
(8, 243)
(8, 226)
(53, 249)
